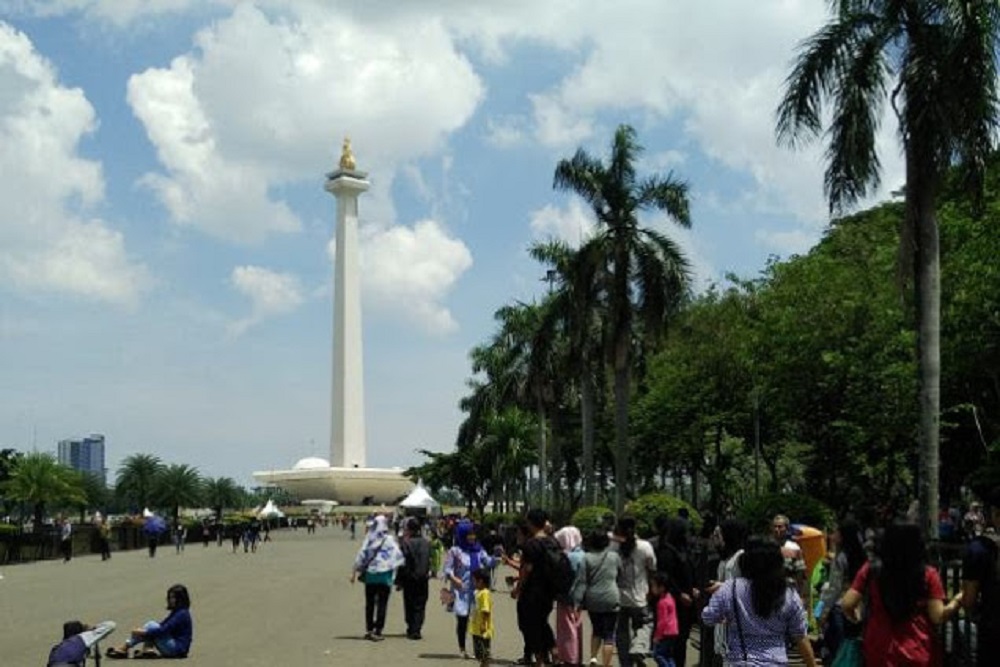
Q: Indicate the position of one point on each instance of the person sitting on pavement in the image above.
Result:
(170, 638)
(78, 638)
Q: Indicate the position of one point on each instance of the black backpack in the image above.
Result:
(560, 573)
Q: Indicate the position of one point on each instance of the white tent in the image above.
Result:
(270, 511)
(420, 500)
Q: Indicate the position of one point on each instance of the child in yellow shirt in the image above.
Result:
(481, 619)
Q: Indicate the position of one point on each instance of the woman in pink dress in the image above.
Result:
(568, 620)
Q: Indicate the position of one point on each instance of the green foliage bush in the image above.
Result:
(8, 529)
(799, 508)
(647, 508)
(592, 517)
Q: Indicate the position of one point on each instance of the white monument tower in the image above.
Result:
(345, 477)
(347, 418)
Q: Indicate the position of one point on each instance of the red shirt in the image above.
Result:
(666, 618)
(897, 644)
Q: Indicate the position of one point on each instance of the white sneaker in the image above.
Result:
(593, 661)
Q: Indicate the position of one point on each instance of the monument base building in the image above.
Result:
(315, 479)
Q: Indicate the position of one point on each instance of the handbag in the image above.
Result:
(849, 654)
(363, 576)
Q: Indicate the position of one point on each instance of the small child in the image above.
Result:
(481, 621)
(666, 631)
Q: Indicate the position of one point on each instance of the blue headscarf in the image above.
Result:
(463, 529)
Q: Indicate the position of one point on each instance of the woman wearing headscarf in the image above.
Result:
(376, 565)
(568, 620)
(464, 558)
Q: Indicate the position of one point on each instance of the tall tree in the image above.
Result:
(39, 480)
(575, 308)
(647, 272)
(938, 58)
(177, 485)
(221, 493)
(136, 476)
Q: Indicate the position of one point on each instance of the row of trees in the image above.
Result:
(38, 483)
(822, 367)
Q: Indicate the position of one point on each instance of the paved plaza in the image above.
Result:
(290, 604)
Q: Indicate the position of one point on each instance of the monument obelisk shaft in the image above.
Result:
(347, 419)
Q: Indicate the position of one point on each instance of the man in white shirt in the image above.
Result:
(638, 565)
(795, 564)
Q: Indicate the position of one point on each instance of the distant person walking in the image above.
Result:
(104, 536)
(413, 577)
(375, 565)
(66, 539)
(568, 621)
(180, 537)
(638, 565)
(596, 590)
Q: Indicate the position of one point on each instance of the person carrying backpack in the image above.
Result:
(534, 590)
(78, 638)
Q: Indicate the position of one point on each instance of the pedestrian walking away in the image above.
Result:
(414, 577)
(375, 564)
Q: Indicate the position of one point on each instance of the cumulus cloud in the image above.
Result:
(48, 243)
(270, 293)
(397, 88)
(410, 270)
(572, 224)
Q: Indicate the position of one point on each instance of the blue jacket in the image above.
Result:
(179, 626)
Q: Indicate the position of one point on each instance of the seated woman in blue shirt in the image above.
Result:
(170, 638)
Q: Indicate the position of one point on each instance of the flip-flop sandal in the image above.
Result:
(147, 655)
(116, 654)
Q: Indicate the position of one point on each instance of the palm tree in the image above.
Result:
(39, 480)
(178, 485)
(94, 492)
(220, 493)
(938, 58)
(647, 271)
(136, 476)
(575, 308)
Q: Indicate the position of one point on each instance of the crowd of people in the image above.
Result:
(875, 599)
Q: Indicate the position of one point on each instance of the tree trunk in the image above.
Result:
(922, 221)
(621, 424)
(543, 462)
(587, 419)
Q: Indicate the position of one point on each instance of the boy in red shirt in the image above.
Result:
(665, 632)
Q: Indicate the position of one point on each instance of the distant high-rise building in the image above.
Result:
(86, 455)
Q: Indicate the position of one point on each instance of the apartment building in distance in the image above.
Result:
(85, 455)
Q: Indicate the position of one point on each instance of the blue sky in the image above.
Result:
(165, 268)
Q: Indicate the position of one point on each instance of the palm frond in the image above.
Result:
(853, 165)
(666, 194)
(820, 60)
(584, 175)
(972, 84)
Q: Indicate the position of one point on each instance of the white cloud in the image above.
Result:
(573, 224)
(506, 131)
(397, 88)
(270, 293)
(410, 270)
(46, 243)
(225, 197)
